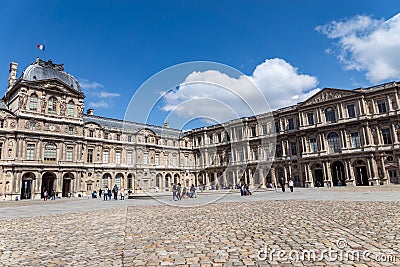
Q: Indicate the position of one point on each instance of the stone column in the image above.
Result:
(273, 177)
(395, 138)
(310, 175)
(378, 134)
(285, 174)
(389, 103)
(385, 177)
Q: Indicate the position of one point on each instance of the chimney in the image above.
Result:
(90, 112)
(165, 125)
(12, 76)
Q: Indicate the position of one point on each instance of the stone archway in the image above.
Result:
(26, 185)
(167, 180)
(48, 179)
(318, 175)
(338, 174)
(158, 181)
(105, 180)
(361, 173)
(67, 184)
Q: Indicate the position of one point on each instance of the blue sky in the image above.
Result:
(290, 49)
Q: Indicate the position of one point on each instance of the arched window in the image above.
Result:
(50, 152)
(71, 108)
(334, 142)
(330, 115)
(118, 178)
(129, 184)
(52, 105)
(104, 181)
(33, 102)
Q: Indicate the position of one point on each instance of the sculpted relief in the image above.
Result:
(326, 96)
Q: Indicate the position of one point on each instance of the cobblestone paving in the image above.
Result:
(219, 234)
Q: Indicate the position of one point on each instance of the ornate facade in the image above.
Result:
(336, 137)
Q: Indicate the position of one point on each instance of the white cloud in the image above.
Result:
(216, 95)
(367, 44)
(98, 97)
(99, 104)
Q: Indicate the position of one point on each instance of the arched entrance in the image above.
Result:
(158, 180)
(48, 179)
(167, 180)
(176, 178)
(361, 173)
(66, 188)
(118, 178)
(318, 176)
(104, 180)
(130, 181)
(338, 174)
(26, 186)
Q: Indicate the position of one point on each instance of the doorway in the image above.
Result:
(48, 179)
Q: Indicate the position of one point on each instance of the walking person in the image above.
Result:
(174, 190)
(100, 192)
(45, 195)
(105, 193)
(291, 184)
(122, 194)
(115, 191)
(282, 183)
(178, 191)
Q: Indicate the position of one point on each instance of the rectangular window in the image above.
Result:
(91, 133)
(253, 131)
(90, 155)
(118, 157)
(145, 158)
(351, 112)
(255, 153)
(278, 150)
(129, 158)
(240, 156)
(219, 137)
(198, 141)
(239, 133)
(277, 128)
(118, 137)
(355, 140)
(313, 145)
(71, 130)
(166, 163)
(386, 135)
(105, 156)
(291, 124)
(293, 148)
(157, 159)
(1, 150)
(310, 118)
(30, 151)
(381, 106)
(69, 153)
(106, 136)
(229, 157)
(186, 161)
(129, 138)
(174, 160)
(264, 129)
(32, 126)
(1, 123)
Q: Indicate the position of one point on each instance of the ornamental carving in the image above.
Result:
(326, 96)
(13, 123)
(51, 127)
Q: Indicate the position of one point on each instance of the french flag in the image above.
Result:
(40, 46)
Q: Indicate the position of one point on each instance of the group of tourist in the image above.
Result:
(282, 184)
(108, 193)
(244, 190)
(52, 196)
(178, 192)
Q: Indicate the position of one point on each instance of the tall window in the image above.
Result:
(145, 158)
(105, 181)
(253, 131)
(173, 160)
(157, 159)
(334, 142)
(313, 145)
(33, 102)
(386, 135)
(106, 136)
(239, 133)
(105, 156)
(278, 150)
(351, 112)
(381, 106)
(129, 138)
(293, 148)
(1, 150)
(118, 137)
(50, 152)
(166, 163)
(91, 133)
(70, 129)
(118, 178)
(129, 158)
(255, 153)
(71, 108)
(264, 129)
(52, 105)
(310, 118)
(30, 151)
(129, 184)
(1, 123)
(355, 140)
(90, 155)
(277, 128)
(69, 153)
(118, 157)
(291, 124)
(330, 115)
(32, 125)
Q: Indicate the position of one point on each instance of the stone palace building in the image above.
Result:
(336, 137)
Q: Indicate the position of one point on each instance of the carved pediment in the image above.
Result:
(328, 94)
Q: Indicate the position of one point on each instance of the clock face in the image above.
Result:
(52, 128)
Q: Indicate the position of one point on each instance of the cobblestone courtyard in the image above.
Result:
(359, 227)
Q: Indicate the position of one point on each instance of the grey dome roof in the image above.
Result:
(42, 70)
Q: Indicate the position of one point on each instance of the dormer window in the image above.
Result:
(71, 108)
(52, 105)
(33, 102)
